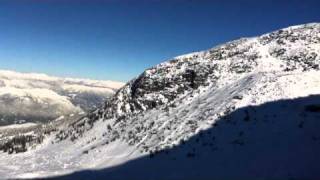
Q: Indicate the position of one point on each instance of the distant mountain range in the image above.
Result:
(29, 97)
(247, 109)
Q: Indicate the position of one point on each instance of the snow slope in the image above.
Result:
(33, 97)
(247, 109)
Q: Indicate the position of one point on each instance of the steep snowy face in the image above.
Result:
(39, 98)
(136, 112)
(287, 50)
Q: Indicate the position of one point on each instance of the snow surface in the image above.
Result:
(249, 119)
(18, 126)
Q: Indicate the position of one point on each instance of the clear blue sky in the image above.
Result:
(118, 39)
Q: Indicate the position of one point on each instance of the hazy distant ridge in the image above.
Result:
(39, 97)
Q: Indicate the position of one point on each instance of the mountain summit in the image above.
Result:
(249, 108)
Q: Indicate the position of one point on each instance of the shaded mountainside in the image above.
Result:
(274, 140)
(248, 108)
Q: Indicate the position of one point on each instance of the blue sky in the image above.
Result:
(118, 39)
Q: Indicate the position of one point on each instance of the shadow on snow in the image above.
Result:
(275, 140)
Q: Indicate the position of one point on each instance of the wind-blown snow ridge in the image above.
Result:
(228, 90)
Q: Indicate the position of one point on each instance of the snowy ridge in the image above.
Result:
(252, 101)
(22, 93)
(6, 74)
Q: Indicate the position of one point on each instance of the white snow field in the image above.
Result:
(248, 109)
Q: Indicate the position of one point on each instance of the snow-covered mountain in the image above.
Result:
(27, 97)
(247, 109)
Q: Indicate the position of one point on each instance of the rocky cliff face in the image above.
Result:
(294, 48)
